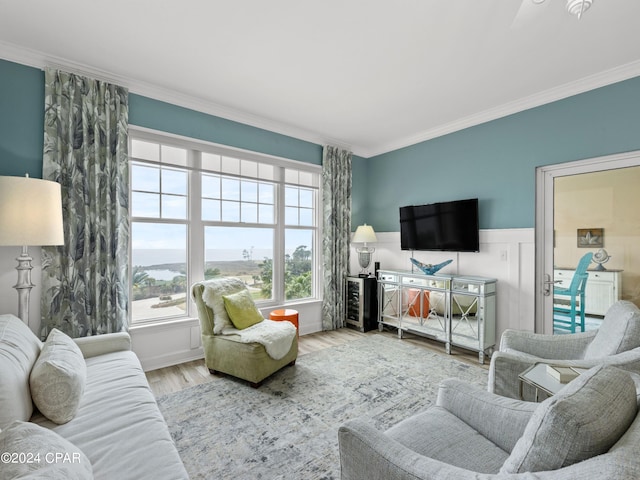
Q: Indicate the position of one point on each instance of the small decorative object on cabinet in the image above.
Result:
(455, 310)
(428, 268)
(362, 303)
(601, 257)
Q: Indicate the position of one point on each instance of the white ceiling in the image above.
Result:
(370, 75)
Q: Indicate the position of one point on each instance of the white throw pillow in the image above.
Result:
(58, 378)
(31, 451)
(19, 350)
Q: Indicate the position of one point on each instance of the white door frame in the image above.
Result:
(545, 177)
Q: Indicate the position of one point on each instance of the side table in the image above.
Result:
(536, 376)
(287, 314)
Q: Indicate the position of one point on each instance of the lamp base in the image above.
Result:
(24, 284)
(364, 259)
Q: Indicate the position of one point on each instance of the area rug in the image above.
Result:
(288, 428)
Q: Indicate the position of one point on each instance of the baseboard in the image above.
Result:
(169, 360)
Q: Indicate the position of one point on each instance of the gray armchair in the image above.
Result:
(589, 430)
(616, 342)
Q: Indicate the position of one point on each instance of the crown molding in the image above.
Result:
(41, 60)
(602, 79)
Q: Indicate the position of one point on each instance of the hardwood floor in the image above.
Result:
(184, 375)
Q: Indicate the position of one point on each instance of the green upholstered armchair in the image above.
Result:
(224, 354)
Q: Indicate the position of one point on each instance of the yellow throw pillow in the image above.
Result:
(241, 309)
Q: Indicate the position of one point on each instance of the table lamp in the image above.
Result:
(364, 234)
(30, 215)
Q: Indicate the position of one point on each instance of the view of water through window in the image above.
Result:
(159, 274)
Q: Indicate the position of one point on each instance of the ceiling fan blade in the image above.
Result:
(529, 10)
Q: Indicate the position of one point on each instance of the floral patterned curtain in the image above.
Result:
(336, 185)
(85, 282)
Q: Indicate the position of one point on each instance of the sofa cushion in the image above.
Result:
(40, 453)
(241, 309)
(212, 295)
(118, 424)
(619, 331)
(58, 378)
(439, 434)
(19, 350)
(583, 420)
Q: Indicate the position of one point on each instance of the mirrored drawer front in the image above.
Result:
(439, 284)
(473, 288)
(387, 277)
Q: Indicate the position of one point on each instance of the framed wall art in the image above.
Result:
(590, 237)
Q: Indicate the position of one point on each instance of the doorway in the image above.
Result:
(595, 196)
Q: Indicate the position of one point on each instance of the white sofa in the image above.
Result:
(117, 427)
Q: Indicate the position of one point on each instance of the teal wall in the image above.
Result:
(496, 161)
(149, 113)
(22, 125)
(21, 119)
(359, 189)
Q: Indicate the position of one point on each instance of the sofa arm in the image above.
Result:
(504, 369)
(101, 344)
(486, 412)
(506, 366)
(368, 454)
(546, 346)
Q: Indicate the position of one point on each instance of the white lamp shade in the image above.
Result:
(364, 234)
(30, 212)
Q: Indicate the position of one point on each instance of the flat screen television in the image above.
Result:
(444, 226)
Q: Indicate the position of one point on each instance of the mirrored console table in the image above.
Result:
(453, 309)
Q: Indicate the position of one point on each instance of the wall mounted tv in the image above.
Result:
(445, 226)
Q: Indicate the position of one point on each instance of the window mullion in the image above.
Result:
(195, 249)
(317, 283)
(279, 240)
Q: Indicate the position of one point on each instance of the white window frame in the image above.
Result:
(196, 226)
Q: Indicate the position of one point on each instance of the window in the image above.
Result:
(200, 211)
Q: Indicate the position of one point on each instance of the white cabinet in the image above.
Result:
(455, 310)
(603, 288)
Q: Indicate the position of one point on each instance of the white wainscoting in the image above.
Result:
(507, 255)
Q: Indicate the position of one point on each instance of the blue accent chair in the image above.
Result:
(564, 317)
